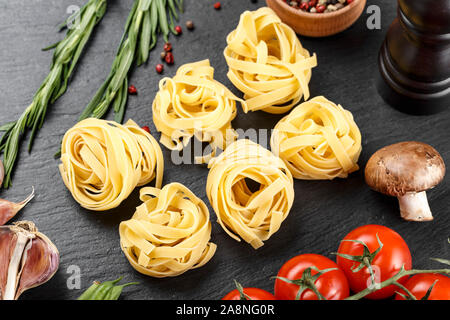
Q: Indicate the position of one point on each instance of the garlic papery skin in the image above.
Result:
(27, 259)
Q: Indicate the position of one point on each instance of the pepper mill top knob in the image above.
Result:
(429, 16)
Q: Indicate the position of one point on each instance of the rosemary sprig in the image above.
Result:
(147, 19)
(65, 57)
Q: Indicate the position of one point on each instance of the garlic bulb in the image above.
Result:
(27, 259)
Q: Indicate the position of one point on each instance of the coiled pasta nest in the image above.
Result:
(268, 63)
(194, 104)
(251, 215)
(318, 140)
(102, 162)
(169, 233)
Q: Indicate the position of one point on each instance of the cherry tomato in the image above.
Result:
(252, 293)
(333, 285)
(419, 284)
(385, 264)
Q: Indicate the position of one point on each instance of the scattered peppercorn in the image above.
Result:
(217, 5)
(146, 128)
(132, 90)
(163, 55)
(159, 68)
(167, 47)
(189, 25)
(169, 58)
(178, 30)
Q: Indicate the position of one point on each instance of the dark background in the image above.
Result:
(323, 212)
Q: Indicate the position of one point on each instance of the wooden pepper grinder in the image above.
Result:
(414, 60)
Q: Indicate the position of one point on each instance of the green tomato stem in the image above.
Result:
(393, 281)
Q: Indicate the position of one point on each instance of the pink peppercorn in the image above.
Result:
(159, 68)
(320, 8)
(304, 6)
(169, 58)
(167, 47)
(132, 90)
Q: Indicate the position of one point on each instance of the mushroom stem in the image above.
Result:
(414, 206)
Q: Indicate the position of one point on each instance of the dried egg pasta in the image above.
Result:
(194, 104)
(253, 216)
(103, 161)
(169, 233)
(318, 140)
(268, 63)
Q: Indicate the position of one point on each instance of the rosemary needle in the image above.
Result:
(65, 57)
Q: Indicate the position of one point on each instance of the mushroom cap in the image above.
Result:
(403, 167)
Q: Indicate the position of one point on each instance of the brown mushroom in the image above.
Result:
(406, 170)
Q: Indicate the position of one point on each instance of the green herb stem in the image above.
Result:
(146, 19)
(65, 57)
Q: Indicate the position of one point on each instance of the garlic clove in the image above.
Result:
(41, 264)
(27, 259)
(9, 209)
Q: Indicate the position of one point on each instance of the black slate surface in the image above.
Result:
(323, 212)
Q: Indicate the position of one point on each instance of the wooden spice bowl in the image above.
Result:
(318, 24)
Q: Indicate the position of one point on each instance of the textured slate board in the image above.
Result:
(323, 211)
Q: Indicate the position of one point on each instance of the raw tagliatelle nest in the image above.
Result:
(102, 162)
(192, 104)
(268, 63)
(252, 215)
(318, 140)
(169, 233)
